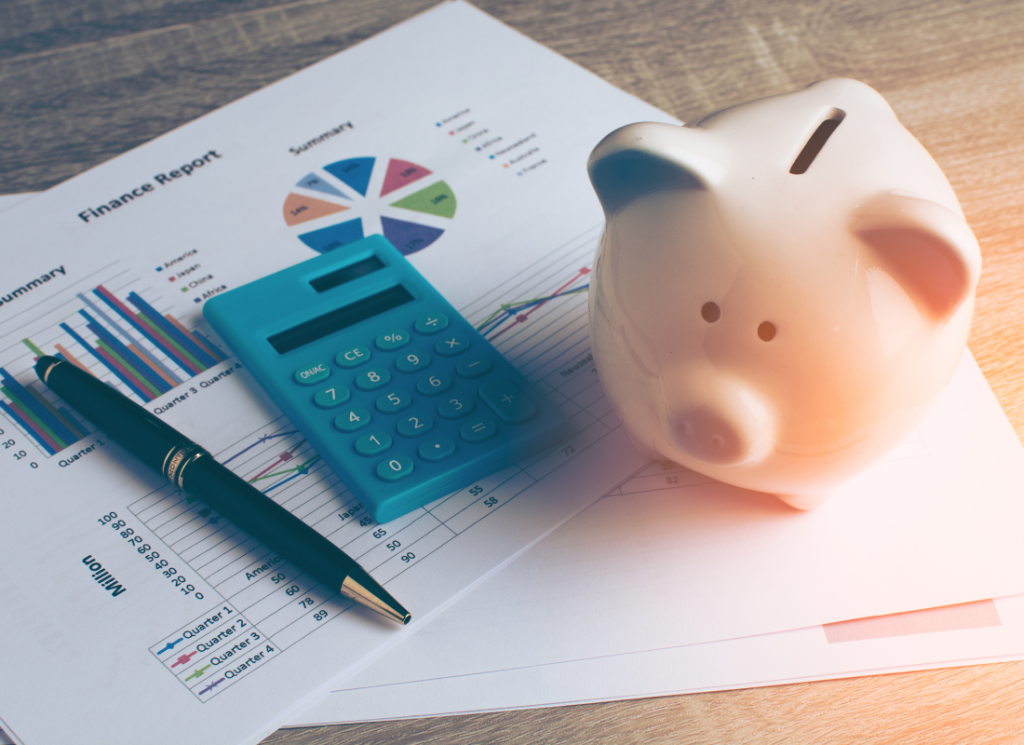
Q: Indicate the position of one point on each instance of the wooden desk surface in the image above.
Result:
(81, 82)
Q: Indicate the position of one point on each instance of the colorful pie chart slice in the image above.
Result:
(408, 237)
(299, 208)
(314, 182)
(400, 173)
(436, 199)
(336, 236)
(353, 172)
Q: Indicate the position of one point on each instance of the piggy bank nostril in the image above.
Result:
(766, 331)
(709, 437)
(710, 312)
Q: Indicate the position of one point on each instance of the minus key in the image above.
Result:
(474, 367)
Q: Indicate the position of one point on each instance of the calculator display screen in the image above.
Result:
(339, 318)
(347, 274)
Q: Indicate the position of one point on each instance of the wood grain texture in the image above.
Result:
(83, 82)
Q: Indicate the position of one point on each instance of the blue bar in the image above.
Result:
(78, 425)
(144, 395)
(124, 332)
(138, 366)
(168, 328)
(141, 328)
(27, 400)
(220, 355)
(28, 427)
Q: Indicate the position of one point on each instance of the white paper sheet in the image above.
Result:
(614, 603)
(92, 617)
(982, 632)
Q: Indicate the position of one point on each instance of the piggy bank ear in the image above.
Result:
(928, 249)
(642, 158)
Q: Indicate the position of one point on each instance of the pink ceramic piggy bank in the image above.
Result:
(781, 289)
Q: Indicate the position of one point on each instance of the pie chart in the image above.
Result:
(352, 198)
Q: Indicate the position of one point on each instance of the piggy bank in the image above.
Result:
(781, 289)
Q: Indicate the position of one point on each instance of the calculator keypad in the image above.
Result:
(449, 390)
(403, 399)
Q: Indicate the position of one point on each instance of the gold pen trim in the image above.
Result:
(47, 373)
(351, 589)
(177, 460)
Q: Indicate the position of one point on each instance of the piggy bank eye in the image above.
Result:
(766, 331)
(710, 312)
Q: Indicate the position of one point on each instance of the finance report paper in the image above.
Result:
(132, 609)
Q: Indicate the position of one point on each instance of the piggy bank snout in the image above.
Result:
(732, 427)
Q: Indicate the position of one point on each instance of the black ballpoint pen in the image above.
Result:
(187, 466)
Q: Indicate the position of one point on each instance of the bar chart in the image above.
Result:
(127, 342)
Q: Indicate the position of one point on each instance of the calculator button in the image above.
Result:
(478, 430)
(392, 340)
(508, 402)
(431, 324)
(373, 443)
(456, 407)
(353, 357)
(414, 426)
(437, 448)
(451, 345)
(312, 374)
(373, 378)
(473, 367)
(412, 362)
(432, 385)
(395, 468)
(334, 396)
(389, 403)
(352, 419)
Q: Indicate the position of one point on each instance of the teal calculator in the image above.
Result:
(398, 393)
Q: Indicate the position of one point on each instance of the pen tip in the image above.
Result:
(374, 597)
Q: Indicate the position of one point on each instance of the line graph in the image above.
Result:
(491, 327)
